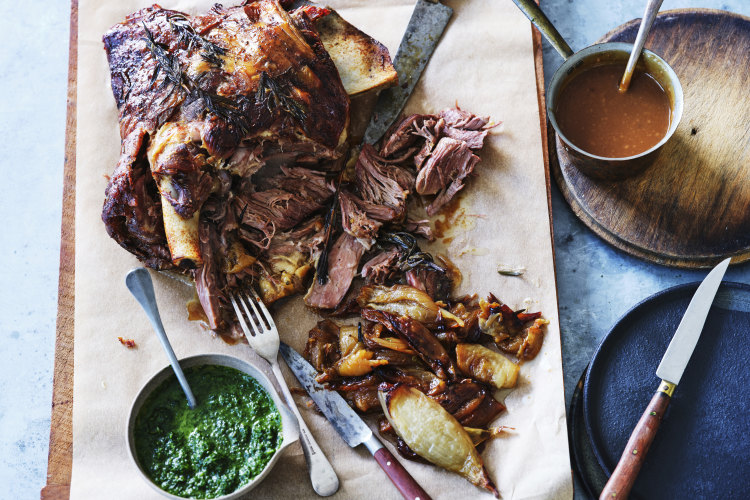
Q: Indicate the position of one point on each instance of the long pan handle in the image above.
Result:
(621, 481)
(545, 26)
(400, 477)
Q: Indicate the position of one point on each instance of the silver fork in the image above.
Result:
(264, 338)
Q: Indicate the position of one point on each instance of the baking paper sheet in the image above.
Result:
(485, 64)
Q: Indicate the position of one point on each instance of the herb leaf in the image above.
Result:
(164, 61)
(210, 52)
(411, 255)
(273, 94)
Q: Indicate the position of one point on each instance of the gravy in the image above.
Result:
(599, 119)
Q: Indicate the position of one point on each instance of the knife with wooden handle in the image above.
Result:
(350, 426)
(670, 372)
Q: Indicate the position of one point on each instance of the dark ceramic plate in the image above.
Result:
(702, 449)
(583, 459)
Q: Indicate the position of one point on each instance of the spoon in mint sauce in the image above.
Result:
(140, 285)
(652, 8)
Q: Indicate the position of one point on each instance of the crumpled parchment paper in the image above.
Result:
(484, 63)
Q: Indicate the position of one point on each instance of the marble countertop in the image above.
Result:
(596, 283)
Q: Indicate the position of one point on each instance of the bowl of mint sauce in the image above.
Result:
(221, 449)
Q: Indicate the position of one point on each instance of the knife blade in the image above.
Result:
(670, 372)
(426, 25)
(349, 425)
(683, 342)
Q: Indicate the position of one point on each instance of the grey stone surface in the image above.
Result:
(33, 84)
(597, 283)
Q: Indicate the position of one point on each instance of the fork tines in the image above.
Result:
(260, 319)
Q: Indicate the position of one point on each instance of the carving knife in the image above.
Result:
(669, 371)
(426, 26)
(427, 23)
(349, 425)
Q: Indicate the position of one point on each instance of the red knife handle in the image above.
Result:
(623, 477)
(406, 484)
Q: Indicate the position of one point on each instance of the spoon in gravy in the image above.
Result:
(652, 8)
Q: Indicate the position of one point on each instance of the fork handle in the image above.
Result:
(324, 480)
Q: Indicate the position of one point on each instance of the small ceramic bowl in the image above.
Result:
(600, 167)
(289, 425)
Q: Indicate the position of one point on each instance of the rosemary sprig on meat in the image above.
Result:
(188, 37)
(411, 255)
(229, 110)
(165, 63)
(225, 108)
(273, 95)
(270, 94)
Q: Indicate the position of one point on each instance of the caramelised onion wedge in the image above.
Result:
(486, 365)
(424, 380)
(355, 359)
(479, 436)
(419, 338)
(433, 434)
(393, 343)
(403, 300)
(358, 363)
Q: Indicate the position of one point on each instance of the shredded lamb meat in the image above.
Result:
(382, 267)
(344, 260)
(444, 145)
(383, 183)
(225, 175)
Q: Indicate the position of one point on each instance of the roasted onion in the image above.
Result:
(433, 434)
(486, 365)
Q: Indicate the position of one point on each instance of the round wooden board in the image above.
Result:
(691, 208)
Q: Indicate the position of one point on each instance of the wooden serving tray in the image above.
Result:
(691, 208)
(60, 461)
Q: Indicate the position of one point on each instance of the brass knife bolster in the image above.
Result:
(667, 387)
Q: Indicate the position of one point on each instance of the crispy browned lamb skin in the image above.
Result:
(226, 91)
(261, 40)
(256, 38)
(132, 209)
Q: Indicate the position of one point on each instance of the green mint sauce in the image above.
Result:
(216, 448)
